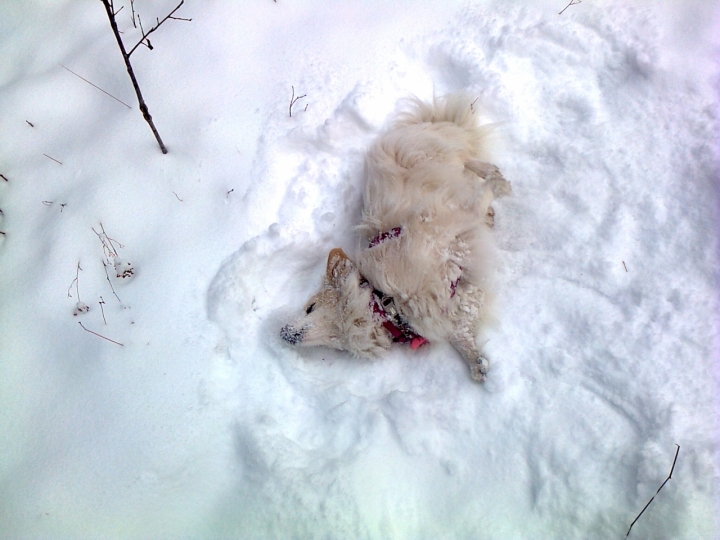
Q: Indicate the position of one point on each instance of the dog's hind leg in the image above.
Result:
(463, 339)
(491, 174)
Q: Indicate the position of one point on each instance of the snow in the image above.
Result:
(202, 424)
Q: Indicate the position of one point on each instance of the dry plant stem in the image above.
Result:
(108, 248)
(100, 336)
(126, 58)
(101, 302)
(76, 281)
(293, 99)
(55, 160)
(96, 86)
(677, 451)
(132, 7)
(572, 3)
(107, 276)
(30, 124)
(625, 267)
(3, 177)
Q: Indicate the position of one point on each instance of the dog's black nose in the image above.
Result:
(292, 335)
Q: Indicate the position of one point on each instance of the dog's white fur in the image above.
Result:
(426, 176)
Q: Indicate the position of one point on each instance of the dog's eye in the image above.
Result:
(309, 310)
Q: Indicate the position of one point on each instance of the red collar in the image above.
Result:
(399, 329)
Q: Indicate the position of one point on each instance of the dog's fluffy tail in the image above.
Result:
(455, 108)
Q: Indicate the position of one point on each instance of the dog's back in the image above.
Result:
(426, 176)
(418, 168)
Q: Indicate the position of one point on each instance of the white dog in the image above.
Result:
(423, 274)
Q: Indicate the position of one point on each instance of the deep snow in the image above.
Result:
(203, 424)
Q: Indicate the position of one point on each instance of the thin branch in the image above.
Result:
(109, 249)
(3, 177)
(30, 124)
(625, 267)
(100, 336)
(293, 99)
(107, 276)
(159, 22)
(131, 73)
(101, 302)
(76, 282)
(96, 86)
(111, 240)
(572, 3)
(677, 451)
(55, 160)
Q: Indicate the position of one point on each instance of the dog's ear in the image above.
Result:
(338, 265)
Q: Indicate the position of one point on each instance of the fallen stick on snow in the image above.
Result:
(91, 84)
(658, 491)
(100, 336)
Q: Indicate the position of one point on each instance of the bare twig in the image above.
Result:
(55, 160)
(3, 177)
(30, 124)
(111, 240)
(159, 22)
(132, 7)
(178, 198)
(101, 302)
(572, 3)
(107, 276)
(96, 86)
(76, 282)
(625, 267)
(677, 451)
(99, 335)
(473, 104)
(293, 99)
(126, 57)
(109, 249)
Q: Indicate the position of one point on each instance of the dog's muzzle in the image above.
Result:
(291, 334)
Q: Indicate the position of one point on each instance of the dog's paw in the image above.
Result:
(490, 217)
(479, 369)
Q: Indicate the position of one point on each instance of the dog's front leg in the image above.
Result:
(463, 340)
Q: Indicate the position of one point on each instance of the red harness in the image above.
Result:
(384, 306)
(401, 331)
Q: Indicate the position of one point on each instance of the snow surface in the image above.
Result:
(203, 425)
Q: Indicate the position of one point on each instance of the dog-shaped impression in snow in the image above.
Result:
(424, 272)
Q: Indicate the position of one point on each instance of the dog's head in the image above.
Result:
(340, 315)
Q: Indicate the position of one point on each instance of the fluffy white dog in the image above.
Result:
(424, 273)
